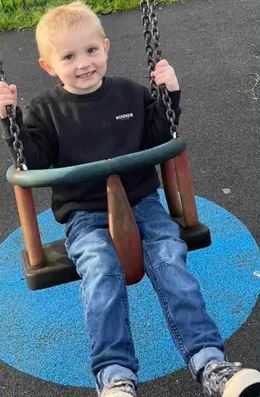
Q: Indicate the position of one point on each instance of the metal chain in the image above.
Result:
(149, 45)
(152, 47)
(14, 130)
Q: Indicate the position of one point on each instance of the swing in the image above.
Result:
(48, 265)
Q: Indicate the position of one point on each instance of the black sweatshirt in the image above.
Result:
(61, 129)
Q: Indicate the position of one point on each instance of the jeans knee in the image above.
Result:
(165, 253)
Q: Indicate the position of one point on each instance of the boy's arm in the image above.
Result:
(157, 126)
(40, 145)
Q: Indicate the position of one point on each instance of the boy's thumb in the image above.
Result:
(13, 88)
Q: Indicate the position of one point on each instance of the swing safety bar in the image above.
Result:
(96, 169)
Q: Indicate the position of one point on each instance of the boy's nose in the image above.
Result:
(83, 63)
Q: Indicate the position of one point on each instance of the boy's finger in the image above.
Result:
(3, 84)
(162, 63)
(5, 89)
(159, 71)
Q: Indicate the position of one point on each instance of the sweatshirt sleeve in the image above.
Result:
(40, 144)
(156, 125)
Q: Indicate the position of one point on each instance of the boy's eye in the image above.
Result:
(92, 50)
(67, 57)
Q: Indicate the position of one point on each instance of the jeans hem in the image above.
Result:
(114, 373)
(200, 360)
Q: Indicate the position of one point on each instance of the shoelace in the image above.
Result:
(216, 375)
(123, 385)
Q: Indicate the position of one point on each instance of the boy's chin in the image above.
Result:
(82, 90)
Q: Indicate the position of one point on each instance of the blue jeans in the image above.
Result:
(105, 300)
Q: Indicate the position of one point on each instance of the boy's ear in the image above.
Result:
(106, 46)
(47, 67)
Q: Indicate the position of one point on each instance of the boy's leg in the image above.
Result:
(105, 299)
(192, 329)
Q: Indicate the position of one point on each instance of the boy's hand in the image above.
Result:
(165, 74)
(8, 96)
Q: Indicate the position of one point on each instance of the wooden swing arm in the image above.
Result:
(184, 181)
(179, 192)
(124, 231)
(29, 225)
(171, 189)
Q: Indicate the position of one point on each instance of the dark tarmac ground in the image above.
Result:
(215, 49)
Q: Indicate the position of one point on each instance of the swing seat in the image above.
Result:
(48, 265)
(59, 269)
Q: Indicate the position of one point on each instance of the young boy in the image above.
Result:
(77, 122)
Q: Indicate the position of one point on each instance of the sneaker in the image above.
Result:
(119, 389)
(224, 379)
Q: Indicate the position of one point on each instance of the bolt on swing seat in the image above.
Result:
(48, 265)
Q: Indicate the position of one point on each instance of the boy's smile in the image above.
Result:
(79, 58)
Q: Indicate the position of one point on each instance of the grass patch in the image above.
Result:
(20, 18)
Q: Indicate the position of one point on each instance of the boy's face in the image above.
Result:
(79, 59)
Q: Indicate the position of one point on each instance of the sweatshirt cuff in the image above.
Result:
(5, 128)
(175, 98)
(5, 124)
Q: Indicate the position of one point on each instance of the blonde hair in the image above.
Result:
(61, 18)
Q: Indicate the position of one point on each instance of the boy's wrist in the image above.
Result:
(175, 98)
(5, 128)
(5, 123)
(173, 87)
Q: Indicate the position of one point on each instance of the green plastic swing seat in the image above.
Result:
(58, 268)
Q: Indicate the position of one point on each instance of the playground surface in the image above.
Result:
(214, 47)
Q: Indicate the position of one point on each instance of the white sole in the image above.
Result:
(240, 381)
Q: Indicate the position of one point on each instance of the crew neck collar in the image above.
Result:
(106, 82)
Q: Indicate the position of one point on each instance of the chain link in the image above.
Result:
(149, 45)
(14, 130)
(153, 52)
